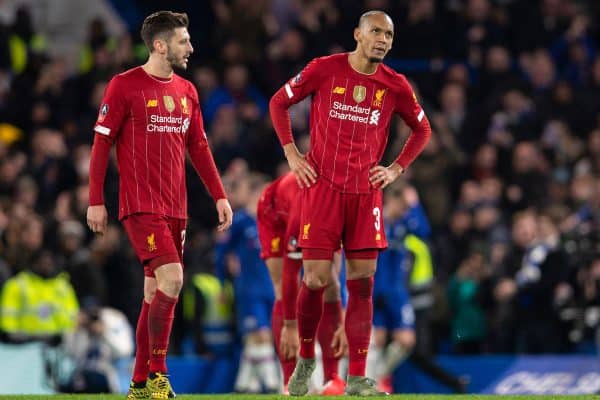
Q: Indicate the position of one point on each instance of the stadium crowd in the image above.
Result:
(510, 180)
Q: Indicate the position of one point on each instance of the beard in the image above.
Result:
(375, 59)
(174, 62)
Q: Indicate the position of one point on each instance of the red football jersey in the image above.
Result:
(350, 117)
(278, 198)
(152, 121)
(286, 195)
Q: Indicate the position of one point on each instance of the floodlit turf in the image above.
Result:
(279, 397)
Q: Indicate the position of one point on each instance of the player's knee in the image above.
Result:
(277, 289)
(380, 337)
(315, 281)
(171, 284)
(362, 273)
(407, 340)
(149, 294)
(264, 336)
(361, 266)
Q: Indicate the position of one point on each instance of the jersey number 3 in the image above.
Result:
(377, 215)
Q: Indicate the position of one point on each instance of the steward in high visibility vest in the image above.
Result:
(23, 41)
(38, 303)
(208, 307)
(421, 276)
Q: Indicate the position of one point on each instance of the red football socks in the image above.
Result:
(276, 325)
(160, 320)
(359, 315)
(142, 343)
(309, 311)
(330, 322)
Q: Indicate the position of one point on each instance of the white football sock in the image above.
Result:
(374, 361)
(262, 356)
(394, 355)
(246, 379)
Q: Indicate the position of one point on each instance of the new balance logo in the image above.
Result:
(374, 118)
(152, 103)
(339, 90)
(362, 351)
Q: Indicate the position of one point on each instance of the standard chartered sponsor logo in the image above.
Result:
(354, 113)
(169, 124)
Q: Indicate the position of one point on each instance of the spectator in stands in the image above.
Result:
(527, 183)
(468, 322)
(250, 104)
(498, 73)
(534, 269)
(285, 56)
(85, 275)
(103, 337)
(433, 173)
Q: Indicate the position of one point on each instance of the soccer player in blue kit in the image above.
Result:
(393, 314)
(238, 255)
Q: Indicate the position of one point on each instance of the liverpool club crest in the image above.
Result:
(359, 93)
(184, 107)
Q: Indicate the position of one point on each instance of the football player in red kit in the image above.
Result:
(278, 218)
(153, 117)
(354, 97)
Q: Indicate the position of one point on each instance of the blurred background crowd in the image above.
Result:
(510, 180)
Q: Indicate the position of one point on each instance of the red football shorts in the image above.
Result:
(330, 218)
(277, 230)
(156, 239)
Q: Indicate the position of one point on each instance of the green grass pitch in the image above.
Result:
(280, 397)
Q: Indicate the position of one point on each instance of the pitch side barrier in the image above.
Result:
(487, 375)
(547, 375)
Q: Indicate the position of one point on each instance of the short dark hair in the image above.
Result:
(162, 23)
(363, 18)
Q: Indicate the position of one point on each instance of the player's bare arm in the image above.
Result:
(225, 214)
(381, 176)
(97, 218)
(304, 173)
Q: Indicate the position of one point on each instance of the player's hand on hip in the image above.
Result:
(305, 174)
(381, 176)
(339, 342)
(225, 214)
(97, 218)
